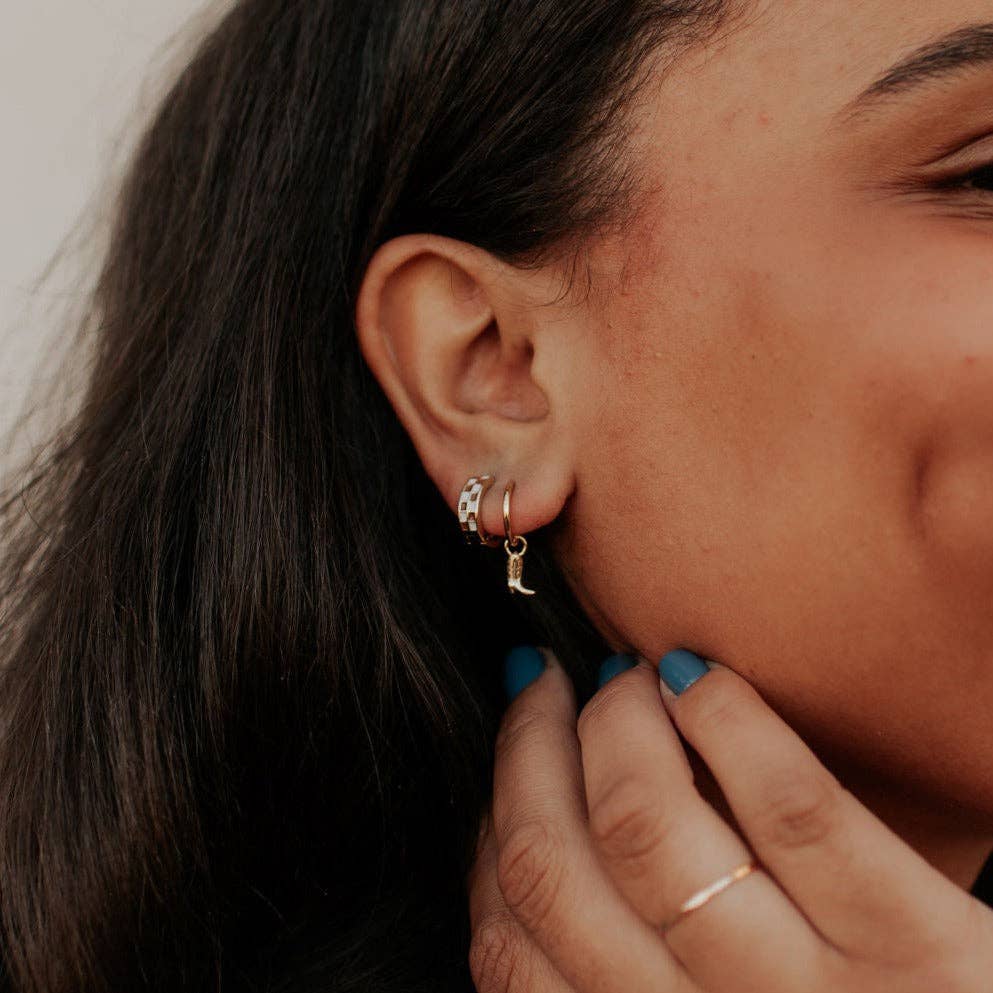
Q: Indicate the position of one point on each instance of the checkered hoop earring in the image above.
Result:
(515, 545)
(469, 499)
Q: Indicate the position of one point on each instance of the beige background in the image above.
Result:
(76, 79)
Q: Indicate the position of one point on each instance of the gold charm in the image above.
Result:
(515, 567)
(515, 547)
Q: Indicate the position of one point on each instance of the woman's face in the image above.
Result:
(789, 466)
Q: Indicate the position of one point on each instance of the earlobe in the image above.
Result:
(449, 332)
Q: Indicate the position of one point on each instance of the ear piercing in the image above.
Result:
(514, 545)
(474, 491)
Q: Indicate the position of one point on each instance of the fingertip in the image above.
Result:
(613, 666)
(522, 665)
(679, 670)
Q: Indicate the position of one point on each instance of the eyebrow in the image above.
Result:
(966, 48)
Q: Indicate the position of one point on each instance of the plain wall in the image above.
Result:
(72, 94)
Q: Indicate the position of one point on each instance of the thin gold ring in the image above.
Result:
(705, 895)
(512, 539)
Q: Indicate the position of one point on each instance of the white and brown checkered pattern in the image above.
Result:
(469, 499)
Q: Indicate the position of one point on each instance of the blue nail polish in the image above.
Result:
(681, 669)
(522, 666)
(614, 666)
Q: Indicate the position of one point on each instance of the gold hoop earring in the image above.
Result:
(469, 499)
(515, 546)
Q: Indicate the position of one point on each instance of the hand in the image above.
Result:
(597, 835)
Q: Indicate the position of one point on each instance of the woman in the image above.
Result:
(709, 283)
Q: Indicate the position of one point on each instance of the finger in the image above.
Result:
(661, 842)
(854, 879)
(502, 958)
(547, 870)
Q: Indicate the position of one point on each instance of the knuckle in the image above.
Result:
(529, 872)
(497, 956)
(802, 810)
(627, 824)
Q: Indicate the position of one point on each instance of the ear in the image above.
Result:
(478, 367)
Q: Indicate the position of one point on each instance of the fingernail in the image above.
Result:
(522, 666)
(614, 666)
(680, 669)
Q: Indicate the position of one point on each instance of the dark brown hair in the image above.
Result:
(251, 670)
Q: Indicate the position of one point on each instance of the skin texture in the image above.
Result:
(769, 425)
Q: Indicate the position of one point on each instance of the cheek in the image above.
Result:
(957, 512)
(927, 386)
(797, 477)
(956, 471)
